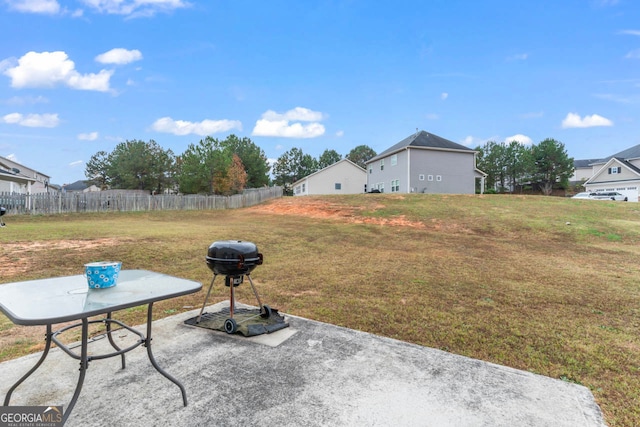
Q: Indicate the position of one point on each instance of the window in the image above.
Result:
(395, 186)
(370, 168)
(394, 160)
(338, 186)
(616, 170)
(421, 177)
(303, 185)
(382, 164)
(439, 178)
(430, 178)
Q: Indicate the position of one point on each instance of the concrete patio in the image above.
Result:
(310, 374)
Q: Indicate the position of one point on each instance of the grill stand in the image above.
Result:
(230, 325)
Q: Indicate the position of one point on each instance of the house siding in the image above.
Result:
(39, 183)
(626, 182)
(380, 173)
(452, 172)
(350, 177)
(582, 174)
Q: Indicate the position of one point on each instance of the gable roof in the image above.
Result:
(9, 166)
(328, 167)
(585, 163)
(76, 186)
(628, 154)
(611, 161)
(423, 139)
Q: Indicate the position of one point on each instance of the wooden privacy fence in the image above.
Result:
(129, 201)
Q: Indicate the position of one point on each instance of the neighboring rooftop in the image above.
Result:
(422, 139)
(628, 154)
(585, 163)
(76, 186)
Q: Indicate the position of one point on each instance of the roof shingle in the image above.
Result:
(424, 140)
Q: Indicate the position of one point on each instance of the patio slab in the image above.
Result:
(309, 374)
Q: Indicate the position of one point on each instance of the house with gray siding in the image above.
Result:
(425, 163)
(19, 179)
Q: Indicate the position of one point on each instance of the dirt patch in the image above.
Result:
(312, 208)
(17, 258)
(20, 257)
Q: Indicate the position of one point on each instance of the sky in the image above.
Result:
(81, 76)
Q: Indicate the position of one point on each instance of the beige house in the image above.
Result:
(342, 177)
(19, 179)
(619, 172)
(583, 170)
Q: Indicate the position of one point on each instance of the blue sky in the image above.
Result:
(80, 76)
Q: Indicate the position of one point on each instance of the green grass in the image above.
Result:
(544, 284)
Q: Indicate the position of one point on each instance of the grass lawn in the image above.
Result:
(548, 285)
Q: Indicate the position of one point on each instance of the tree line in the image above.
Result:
(228, 166)
(211, 166)
(512, 166)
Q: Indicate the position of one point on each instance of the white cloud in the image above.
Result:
(432, 116)
(32, 120)
(575, 121)
(91, 136)
(472, 141)
(634, 54)
(119, 56)
(340, 133)
(444, 95)
(24, 100)
(49, 69)
(203, 128)
(135, 8)
(518, 57)
(615, 98)
(522, 139)
(35, 6)
(278, 124)
(298, 114)
(469, 141)
(282, 128)
(13, 158)
(630, 32)
(76, 163)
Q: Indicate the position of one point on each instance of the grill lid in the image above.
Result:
(233, 257)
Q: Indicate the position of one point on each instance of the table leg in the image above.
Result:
(113, 344)
(153, 360)
(84, 365)
(32, 370)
